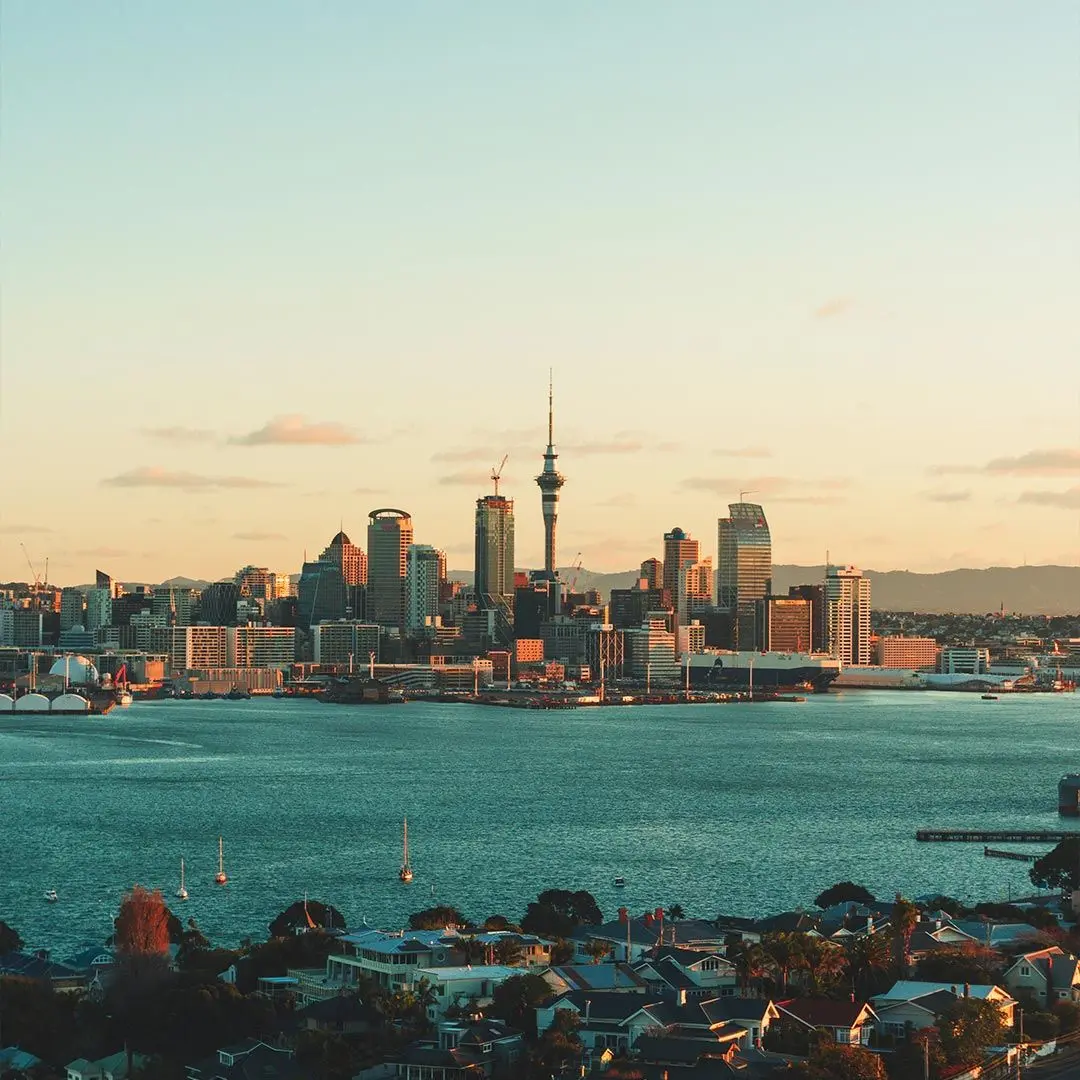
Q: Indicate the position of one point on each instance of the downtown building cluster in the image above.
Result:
(389, 604)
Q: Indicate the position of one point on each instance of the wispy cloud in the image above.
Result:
(831, 308)
(294, 430)
(180, 434)
(102, 552)
(466, 478)
(1064, 500)
(1058, 461)
(153, 476)
(17, 529)
(742, 452)
(947, 496)
(257, 536)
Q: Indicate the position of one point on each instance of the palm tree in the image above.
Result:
(905, 917)
(783, 952)
(675, 913)
(598, 950)
(867, 956)
(823, 962)
(751, 964)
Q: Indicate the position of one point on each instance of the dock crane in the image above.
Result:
(496, 474)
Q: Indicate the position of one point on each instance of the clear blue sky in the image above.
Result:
(269, 265)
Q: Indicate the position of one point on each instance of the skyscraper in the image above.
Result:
(425, 571)
(743, 569)
(679, 551)
(494, 567)
(550, 481)
(390, 532)
(652, 570)
(847, 614)
(348, 558)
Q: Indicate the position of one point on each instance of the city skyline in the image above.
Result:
(240, 307)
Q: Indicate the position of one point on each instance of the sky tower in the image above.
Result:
(549, 481)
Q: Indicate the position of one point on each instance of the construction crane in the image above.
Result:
(743, 494)
(496, 474)
(37, 576)
(577, 570)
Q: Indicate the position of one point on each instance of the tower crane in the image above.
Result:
(496, 474)
(577, 570)
(37, 576)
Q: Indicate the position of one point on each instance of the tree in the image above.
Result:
(823, 962)
(501, 922)
(968, 963)
(558, 913)
(905, 917)
(508, 952)
(966, 1027)
(1068, 1014)
(305, 915)
(832, 1062)
(844, 892)
(598, 950)
(516, 999)
(142, 926)
(782, 951)
(562, 952)
(675, 913)
(751, 964)
(1041, 1026)
(560, 1048)
(10, 941)
(868, 957)
(1060, 868)
(437, 918)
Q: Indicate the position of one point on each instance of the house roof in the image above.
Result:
(820, 1012)
(720, 1009)
(600, 977)
(690, 957)
(788, 922)
(909, 990)
(254, 1060)
(681, 1051)
(1060, 969)
(606, 1004)
(343, 1007)
(36, 966)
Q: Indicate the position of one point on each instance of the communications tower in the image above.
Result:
(549, 482)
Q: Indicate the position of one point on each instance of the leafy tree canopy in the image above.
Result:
(844, 892)
(843, 1063)
(437, 918)
(968, 1026)
(142, 925)
(10, 941)
(515, 1000)
(306, 915)
(1060, 868)
(558, 912)
(963, 964)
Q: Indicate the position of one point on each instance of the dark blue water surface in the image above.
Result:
(745, 809)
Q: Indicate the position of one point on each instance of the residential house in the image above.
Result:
(487, 1048)
(621, 977)
(640, 935)
(850, 1023)
(463, 985)
(704, 974)
(114, 1067)
(608, 1020)
(15, 1060)
(249, 1060)
(1004, 936)
(1049, 975)
(40, 968)
(735, 928)
(932, 935)
(790, 922)
(916, 1005)
(344, 1014)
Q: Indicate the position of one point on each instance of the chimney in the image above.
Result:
(648, 918)
(624, 915)
(588, 1009)
(967, 990)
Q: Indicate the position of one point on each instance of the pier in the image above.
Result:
(985, 836)
(1019, 856)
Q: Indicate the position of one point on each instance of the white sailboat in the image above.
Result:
(50, 896)
(220, 877)
(405, 873)
(182, 893)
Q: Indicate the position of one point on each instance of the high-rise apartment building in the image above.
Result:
(652, 570)
(346, 644)
(679, 551)
(175, 605)
(694, 590)
(260, 646)
(743, 569)
(390, 532)
(786, 624)
(847, 614)
(99, 603)
(898, 651)
(494, 542)
(72, 608)
(425, 571)
(261, 583)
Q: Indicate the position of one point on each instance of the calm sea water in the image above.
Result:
(745, 809)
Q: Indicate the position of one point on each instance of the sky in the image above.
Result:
(269, 266)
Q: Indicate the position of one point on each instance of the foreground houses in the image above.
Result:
(1048, 974)
(916, 1005)
(849, 1023)
(249, 1060)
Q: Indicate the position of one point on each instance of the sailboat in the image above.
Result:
(220, 877)
(182, 893)
(405, 873)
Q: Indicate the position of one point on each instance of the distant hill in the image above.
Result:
(1030, 590)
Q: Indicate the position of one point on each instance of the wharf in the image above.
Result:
(1019, 856)
(983, 836)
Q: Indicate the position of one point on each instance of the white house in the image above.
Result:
(918, 1004)
(1049, 974)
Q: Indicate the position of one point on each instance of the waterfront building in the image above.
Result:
(260, 646)
(743, 568)
(550, 481)
(346, 642)
(816, 595)
(652, 570)
(425, 572)
(918, 653)
(390, 532)
(691, 637)
(650, 653)
(192, 646)
(72, 608)
(679, 551)
(786, 624)
(964, 660)
(847, 615)
(528, 650)
(493, 580)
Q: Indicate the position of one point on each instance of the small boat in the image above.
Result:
(989, 697)
(619, 883)
(124, 698)
(405, 874)
(50, 895)
(220, 877)
(182, 893)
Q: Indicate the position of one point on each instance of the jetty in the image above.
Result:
(1019, 856)
(989, 836)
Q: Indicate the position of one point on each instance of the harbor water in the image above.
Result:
(742, 809)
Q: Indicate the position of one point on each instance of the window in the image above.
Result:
(843, 1036)
(899, 1031)
(1024, 969)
